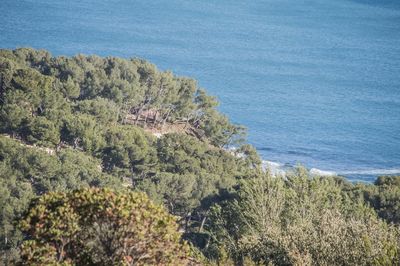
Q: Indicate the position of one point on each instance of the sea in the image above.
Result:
(316, 82)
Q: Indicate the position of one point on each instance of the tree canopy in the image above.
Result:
(83, 137)
(299, 221)
(40, 92)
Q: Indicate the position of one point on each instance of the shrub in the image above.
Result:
(100, 227)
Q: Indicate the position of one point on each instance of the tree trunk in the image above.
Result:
(138, 112)
(145, 119)
(155, 118)
(61, 250)
(203, 221)
(188, 219)
(76, 143)
(166, 116)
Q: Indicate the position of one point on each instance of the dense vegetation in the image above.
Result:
(69, 123)
(299, 221)
(100, 227)
(73, 123)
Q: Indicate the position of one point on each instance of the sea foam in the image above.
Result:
(318, 172)
(377, 172)
(276, 168)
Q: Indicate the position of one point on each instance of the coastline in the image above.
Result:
(359, 175)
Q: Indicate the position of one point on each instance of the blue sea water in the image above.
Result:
(316, 82)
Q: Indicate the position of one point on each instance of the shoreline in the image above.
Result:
(360, 175)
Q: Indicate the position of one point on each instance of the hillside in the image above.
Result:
(73, 123)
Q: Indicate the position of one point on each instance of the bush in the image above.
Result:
(100, 227)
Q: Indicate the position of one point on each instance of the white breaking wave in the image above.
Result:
(371, 172)
(271, 164)
(318, 172)
(276, 168)
(273, 167)
(281, 169)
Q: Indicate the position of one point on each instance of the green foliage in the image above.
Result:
(384, 196)
(81, 131)
(215, 126)
(26, 171)
(176, 191)
(250, 155)
(31, 107)
(203, 169)
(100, 227)
(85, 121)
(14, 112)
(110, 89)
(300, 221)
(103, 110)
(76, 121)
(127, 147)
(43, 132)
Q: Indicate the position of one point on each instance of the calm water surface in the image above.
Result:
(316, 82)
